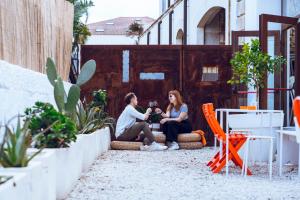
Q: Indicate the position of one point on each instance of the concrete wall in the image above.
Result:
(21, 88)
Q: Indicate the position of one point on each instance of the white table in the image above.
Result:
(250, 120)
(288, 140)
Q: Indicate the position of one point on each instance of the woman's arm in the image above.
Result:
(181, 117)
(164, 115)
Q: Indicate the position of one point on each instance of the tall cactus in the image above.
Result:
(66, 103)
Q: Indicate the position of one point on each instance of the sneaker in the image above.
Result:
(173, 146)
(153, 147)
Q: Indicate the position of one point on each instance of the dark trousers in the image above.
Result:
(172, 128)
(133, 132)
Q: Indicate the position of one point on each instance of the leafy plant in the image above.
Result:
(66, 103)
(99, 99)
(13, 150)
(80, 29)
(135, 30)
(251, 66)
(89, 119)
(62, 129)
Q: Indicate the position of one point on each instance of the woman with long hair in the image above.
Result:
(175, 120)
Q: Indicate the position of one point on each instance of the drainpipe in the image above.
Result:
(229, 18)
(185, 22)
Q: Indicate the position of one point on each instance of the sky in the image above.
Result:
(108, 9)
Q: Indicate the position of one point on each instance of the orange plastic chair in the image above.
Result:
(248, 107)
(236, 141)
(296, 107)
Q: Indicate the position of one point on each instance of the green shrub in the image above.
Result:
(99, 99)
(61, 133)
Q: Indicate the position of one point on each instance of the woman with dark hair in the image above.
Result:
(175, 120)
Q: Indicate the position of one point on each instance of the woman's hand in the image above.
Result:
(158, 110)
(163, 120)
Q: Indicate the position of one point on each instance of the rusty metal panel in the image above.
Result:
(181, 67)
(197, 91)
(143, 59)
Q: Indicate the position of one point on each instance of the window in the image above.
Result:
(99, 30)
(159, 32)
(152, 76)
(125, 66)
(210, 73)
(148, 38)
(171, 27)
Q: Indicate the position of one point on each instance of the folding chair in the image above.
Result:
(296, 107)
(235, 142)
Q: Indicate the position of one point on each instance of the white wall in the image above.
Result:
(291, 8)
(21, 88)
(110, 40)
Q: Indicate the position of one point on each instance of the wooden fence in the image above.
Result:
(32, 30)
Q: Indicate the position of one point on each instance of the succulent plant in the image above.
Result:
(89, 119)
(13, 150)
(66, 103)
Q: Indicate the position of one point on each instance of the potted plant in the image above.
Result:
(91, 122)
(15, 159)
(251, 66)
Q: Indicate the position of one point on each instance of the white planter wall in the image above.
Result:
(72, 161)
(48, 162)
(18, 186)
(35, 181)
(68, 165)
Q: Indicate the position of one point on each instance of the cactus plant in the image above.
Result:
(66, 103)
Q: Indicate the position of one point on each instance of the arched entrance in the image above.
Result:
(179, 37)
(211, 28)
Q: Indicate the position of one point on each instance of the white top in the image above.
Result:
(127, 119)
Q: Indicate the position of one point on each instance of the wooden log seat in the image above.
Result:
(185, 141)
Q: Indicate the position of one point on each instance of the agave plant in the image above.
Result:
(13, 150)
(66, 103)
(90, 119)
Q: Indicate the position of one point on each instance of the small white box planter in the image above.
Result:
(48, 162)
(34, 171)
(18, 187)
(93, 145)
(104, 140)
(68, 168)
(89, 150)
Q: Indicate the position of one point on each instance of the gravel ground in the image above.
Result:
(180, 175)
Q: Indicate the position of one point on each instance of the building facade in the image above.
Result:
(210, 22)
